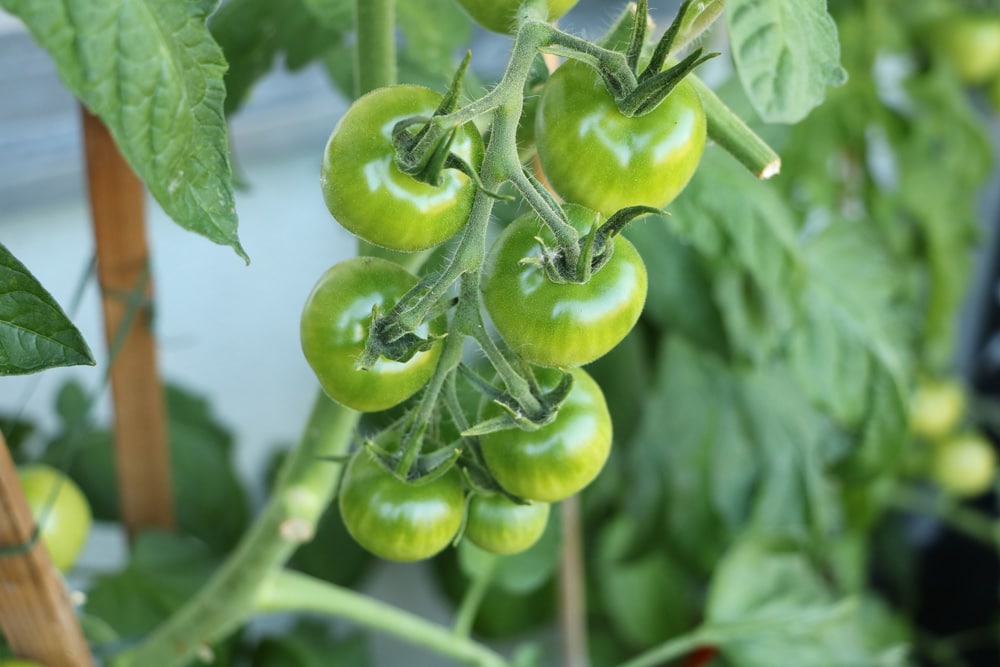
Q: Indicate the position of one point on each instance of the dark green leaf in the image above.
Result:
(211, 503)
(647, 599)
(751, 265)
(253, 33)
(786, 53)
(153, 74)
(35, 333)
(720, 449)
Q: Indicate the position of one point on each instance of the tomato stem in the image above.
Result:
(731, 133)
(286, 591)
(473, 598)
(301, 495)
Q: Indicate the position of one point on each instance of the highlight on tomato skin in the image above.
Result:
(334, 327)
(561, 325)
(559, 459)
(64, 520)
(369, 196)
(397, 520)
(964, 464)
(499, 525)
(618, 161)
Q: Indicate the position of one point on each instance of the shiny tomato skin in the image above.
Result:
(561, 324)
(367, 193)
(964, 464)
(970, 42)
(65, 524)
(559, 459)
(499, 525)
(594, 155)
(498, 15)
(398, 520)
(334, 327)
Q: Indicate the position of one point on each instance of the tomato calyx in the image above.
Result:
(596, 248)
(515, 413)
(426, 153)
(390, 447)
(637, 93)
(652, 84)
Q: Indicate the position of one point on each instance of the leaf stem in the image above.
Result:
(285, 591)
(304, 489)
(698, 19)
(473, 598)
(729, 131)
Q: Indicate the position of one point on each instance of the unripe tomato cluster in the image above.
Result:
(599, 161)
(960, 460)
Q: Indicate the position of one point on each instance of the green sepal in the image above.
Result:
(514, 416)
(651, 91)
(401, 348)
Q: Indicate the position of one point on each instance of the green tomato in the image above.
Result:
(334, 328)
(498, 15)
(594, 155)
(964, 465)
(368, 194)
(65, 523)
(971, 43)
(560, 458)
(936, 408)
(498, 525)
(399, 520)
(561, 324)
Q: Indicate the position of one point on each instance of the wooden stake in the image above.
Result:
(36, 615)
(117, 200)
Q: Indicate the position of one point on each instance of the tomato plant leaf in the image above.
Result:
(253, 33)
(211, 503)
(721, 448)
(35, 332)
(768, 604)
(848, 353)
(153, 74)
(163, 572)
(648, 598)
(750, 257)
(786, 53)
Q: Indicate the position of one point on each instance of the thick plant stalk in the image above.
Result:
(142, 449)
(36, 615)
(375, 64)
(307, 484)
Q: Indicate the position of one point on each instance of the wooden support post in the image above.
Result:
(35, 611)
(117, 200)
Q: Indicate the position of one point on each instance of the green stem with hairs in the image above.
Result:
(305, 487)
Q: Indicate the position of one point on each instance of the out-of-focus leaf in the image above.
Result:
(210, 500)
(769, 605)
(786, 53)
(253, 33)
(310, 644)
